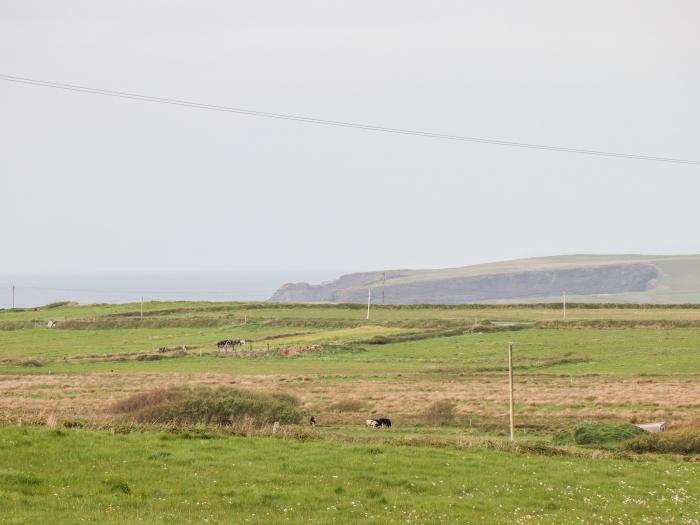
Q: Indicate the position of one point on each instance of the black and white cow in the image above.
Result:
(378, 423)
(229, 343)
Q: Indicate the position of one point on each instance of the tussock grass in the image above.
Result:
(118, 485)
(598, 434)
(157, 397)
(222, 406)
(680, 441)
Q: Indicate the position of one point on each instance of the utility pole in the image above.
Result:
(563, 302)
(13, 296)
(142, 308)
(369, 300)
(510, 389)
(383, 285)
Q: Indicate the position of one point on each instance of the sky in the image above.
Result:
(94, 183)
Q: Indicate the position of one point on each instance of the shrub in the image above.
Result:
(683, 441)
(216, 406)
(441, 413)
(600, 434)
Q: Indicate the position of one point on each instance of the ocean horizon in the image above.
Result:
(33, 289)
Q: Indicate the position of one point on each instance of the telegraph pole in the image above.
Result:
(13, 296)
(563, 302)
(142, 308)
(383, 285)
(369, 300)
(510, 389)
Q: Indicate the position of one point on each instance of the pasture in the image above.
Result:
(438, 372)
(163, 478)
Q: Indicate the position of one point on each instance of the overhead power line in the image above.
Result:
(338, 123)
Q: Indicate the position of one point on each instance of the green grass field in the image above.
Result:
(621, 352)
(238, 310)
(635, 364)
(160, 478)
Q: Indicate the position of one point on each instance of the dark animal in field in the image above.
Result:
(312, 421)
(378, 423)
(229, 343)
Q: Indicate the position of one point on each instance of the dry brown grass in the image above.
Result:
(147, 399)
(440, 413)
(347, 405)
(540, 400)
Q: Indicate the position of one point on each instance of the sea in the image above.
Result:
(36, 289)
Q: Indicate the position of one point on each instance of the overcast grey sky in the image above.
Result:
(95, 183)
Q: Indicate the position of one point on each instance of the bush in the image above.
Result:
(211, 406)
(685, 441)
(441, 413)
(600, 434)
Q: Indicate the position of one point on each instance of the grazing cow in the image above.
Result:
(312, 421)
(230, 343)
(384, 422)
(371, 423)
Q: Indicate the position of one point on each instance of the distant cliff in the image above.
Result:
(595, 278)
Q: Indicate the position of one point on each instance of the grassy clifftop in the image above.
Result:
(589, 278)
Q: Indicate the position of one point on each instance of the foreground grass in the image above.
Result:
(95, 477)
